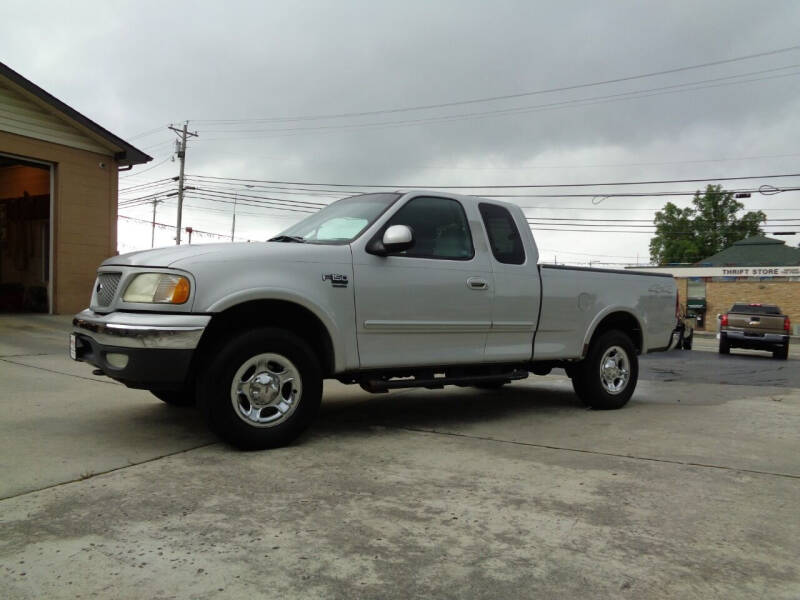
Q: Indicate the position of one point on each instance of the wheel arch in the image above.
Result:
(278, 312)
(620, 319)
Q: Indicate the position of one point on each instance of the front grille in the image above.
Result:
(106, 287)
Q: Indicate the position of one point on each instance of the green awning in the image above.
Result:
(696, 304)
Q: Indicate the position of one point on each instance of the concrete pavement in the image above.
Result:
(689, 492)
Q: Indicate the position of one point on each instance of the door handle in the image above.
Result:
(477, 283)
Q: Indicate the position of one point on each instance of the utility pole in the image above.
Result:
(183, 133)
(153, 233)
(233, 223)
(156, 202)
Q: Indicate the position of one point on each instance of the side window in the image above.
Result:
(504, 237)
(440, 228)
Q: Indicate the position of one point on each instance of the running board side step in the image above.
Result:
(377, 386)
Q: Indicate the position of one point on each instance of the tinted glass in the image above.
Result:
(503, 234)
(755, 310)
(343, 220)
(440, 228)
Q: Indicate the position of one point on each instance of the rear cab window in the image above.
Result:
(755, 309)
(504, 238)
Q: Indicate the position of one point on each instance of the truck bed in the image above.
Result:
(576, 299)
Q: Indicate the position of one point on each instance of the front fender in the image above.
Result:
(345, 354)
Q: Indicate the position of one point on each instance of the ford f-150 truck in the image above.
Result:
(387, 290)
(757, 327)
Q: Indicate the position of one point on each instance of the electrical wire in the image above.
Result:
(148, 184)
(146, 133)
(589, 101)
(137, 173)
(519, 186)
(509, 96)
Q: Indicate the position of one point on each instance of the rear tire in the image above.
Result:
(783, 353)
(262, 390)
(687, 342)
(724, 348)
(607, 377)
(490, 385)
(180, 398)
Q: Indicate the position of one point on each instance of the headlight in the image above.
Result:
(161, 288)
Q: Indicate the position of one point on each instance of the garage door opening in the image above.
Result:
(25, 235)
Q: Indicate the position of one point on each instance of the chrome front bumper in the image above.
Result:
(171, 331)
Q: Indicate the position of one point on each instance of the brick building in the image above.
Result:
(58, 198)
(756, 269)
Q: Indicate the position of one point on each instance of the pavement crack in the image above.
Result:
(87, 476)
(600, 453)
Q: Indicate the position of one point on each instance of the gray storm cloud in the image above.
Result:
(136, 66)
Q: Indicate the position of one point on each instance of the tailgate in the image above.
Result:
(756, 323)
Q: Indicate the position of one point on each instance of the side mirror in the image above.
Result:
(395, 239)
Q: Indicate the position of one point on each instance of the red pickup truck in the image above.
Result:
(757, 327)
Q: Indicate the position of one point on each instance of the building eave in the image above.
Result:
(124, 153)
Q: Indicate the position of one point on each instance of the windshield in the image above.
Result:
(340, 222)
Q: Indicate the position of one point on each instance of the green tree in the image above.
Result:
(686, 235)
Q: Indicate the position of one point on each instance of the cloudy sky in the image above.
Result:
(253, 78)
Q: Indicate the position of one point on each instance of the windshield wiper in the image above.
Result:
(288, 238)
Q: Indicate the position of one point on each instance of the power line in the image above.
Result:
(519, 186)
(146, 133)
(307, 203)
(148, 184)
(245, 202)
(507, 96)
(574, 220)
(588, 101)
(166, 226)
(147, 169)
(605, 166)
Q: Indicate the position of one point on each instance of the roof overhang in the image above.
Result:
(124, 153)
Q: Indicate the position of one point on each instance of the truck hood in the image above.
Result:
(183, 257)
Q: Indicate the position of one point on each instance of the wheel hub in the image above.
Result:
(266, 390)
(263, 389)
(615, 370)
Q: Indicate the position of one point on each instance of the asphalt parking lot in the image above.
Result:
(691, 491)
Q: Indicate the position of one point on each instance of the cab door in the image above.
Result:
(515, 309)
(431, 304)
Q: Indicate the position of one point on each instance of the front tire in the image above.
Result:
(607, 377)
(262, 390)
(179, 398)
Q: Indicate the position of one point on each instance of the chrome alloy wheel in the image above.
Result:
(266, 390)
(615, 370)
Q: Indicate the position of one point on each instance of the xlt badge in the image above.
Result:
(336, 279)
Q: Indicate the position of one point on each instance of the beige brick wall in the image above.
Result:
(721, 295)
(84, 215)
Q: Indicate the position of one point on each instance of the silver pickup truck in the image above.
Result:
(388, 290)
